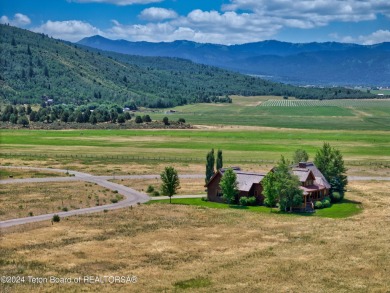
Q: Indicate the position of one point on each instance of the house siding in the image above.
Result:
(213, 189)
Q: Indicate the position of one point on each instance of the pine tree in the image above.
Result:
(219, 163)
(209, 165)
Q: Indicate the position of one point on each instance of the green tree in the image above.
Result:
(28, 109)
(300, 155)
(228, 185)
(92, 119)
(121, 118)
(287, 186)
(270, 190)
(331, 164)
(28, 50)
(210, 165)
(138, 119)
(219, 163)
(170, 182)
(13, 118)
(165, 120)
(127, 116)
(46, 71)
(146, 118)
(23, 121)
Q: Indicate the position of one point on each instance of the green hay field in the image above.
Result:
(291, 113)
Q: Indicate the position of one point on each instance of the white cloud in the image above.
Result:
(199, 26)
(70, 30)
(312, 13)
(19, 20)
(379, 36)
(156, 13)
(118, 2)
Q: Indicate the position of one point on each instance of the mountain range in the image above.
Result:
(326, 64)
(35, 67)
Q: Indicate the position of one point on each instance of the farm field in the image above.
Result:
(104, 152)
(32, 199)
(174, 247)
(291, 113)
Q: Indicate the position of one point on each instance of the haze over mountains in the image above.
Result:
(327, 64)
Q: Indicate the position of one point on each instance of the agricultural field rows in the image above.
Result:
(327, 103)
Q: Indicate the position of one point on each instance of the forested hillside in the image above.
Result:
(33, 65)
(327, 63)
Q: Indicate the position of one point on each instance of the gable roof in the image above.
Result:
(319, 177)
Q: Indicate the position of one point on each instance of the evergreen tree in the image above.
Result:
(138, 119)
(28, 50)
(219, 163)
(46, 71)
(209, 165)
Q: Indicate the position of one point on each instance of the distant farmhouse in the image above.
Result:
(313, 184)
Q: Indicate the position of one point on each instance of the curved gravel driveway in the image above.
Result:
(132, 197)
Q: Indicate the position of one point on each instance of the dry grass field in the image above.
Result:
(187, 186)
(6, 173)
(23, 200)
(172, 247)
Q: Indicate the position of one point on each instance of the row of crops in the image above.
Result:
(319, 103)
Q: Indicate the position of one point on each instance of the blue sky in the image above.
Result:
(205, 21)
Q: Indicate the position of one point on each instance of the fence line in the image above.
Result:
(383, 164)
(124, 157)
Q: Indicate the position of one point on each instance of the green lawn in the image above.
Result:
(340, 210)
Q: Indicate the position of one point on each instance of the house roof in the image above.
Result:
(245, 180)
(319, 177)
(302, 174)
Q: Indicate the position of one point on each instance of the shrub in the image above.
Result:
(205, 199)
(156, 193)
(30, 214)
(325, 203)
(114, 200)
(166, 120)
(56, 218)
(336, 196)
(138, 119)
(150, 189)
(64, 209)
(318, 205)
(181, 120)
(247, 201)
